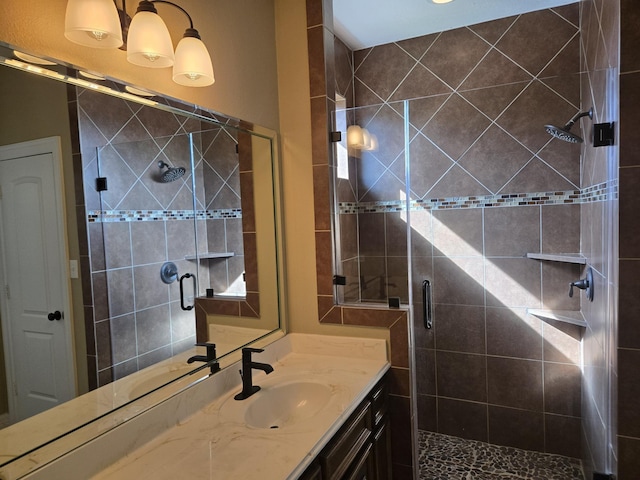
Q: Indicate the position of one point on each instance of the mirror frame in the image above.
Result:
(46, 451)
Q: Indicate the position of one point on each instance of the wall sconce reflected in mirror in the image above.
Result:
(100, 24)
(359, 138)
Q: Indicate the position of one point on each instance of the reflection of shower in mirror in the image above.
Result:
(171, 173)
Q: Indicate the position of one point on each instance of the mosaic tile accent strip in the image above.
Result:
(106, 216)
(595, 193)
(442, 457)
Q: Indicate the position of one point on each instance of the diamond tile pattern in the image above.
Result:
(480, 97)
(124, 142)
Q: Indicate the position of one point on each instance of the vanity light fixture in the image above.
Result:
(148, 41)
(31, 59)
(361, 139)
(93, 23)
(91, 76)
(441, 1)
(138, 91)
(355, 137)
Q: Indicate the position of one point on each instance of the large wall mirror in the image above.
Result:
(172, 241)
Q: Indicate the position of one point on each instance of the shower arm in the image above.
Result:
(577, 117)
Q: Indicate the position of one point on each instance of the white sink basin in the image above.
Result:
(280, 405)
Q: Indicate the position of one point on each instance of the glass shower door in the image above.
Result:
(370, 206)
(218, 207)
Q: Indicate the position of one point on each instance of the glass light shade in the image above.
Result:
(372, 144)
(355, 137)
(366, 137)
(25, 57)
(148, 41)
(192, 66)
(93, 23)
(441, 1)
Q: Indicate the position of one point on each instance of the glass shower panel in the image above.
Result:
(218, 206)
(370, 200)
(145, 226)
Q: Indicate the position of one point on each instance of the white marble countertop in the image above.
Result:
(103, 409)
(214, 444)
(39, 429)
(198, 435)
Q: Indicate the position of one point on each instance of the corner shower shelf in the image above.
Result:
(208, 256)
(566, 316)
(559, 257)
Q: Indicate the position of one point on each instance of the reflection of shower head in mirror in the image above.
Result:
(171, 174)
(564, 133)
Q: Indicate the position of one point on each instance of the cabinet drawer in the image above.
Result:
(338, 456)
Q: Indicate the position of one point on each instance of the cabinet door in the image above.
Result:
(382, 451)
(363, 467)
(313, 472)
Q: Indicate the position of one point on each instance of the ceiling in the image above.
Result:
(366, 23)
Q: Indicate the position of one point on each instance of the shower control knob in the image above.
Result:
(54, 316)
(584, 284)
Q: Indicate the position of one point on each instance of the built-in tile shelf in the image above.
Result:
(567, 316)
(560, 257)
(209, 256)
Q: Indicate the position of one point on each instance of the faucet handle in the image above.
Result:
(252, 350)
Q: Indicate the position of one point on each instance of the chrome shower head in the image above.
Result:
(564, 133)
(171, 174)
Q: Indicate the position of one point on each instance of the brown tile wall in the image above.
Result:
(478, 100)
(628, 374)
(599, 66)
(133, 319)
(322, 71)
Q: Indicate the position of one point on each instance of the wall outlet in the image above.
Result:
(73, 268)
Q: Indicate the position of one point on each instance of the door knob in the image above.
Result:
(54, 316)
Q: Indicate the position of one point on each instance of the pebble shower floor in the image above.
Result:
(451, 458)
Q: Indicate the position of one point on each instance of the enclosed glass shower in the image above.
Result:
(418, 223)
(168, 227)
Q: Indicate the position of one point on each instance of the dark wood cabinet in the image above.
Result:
(381, 437)
(313, 472)
(361, 449)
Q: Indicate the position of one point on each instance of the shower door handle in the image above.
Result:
(427, 311)
(182, 278)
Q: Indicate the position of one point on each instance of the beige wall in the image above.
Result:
(24, 95)
(240, 37)
(238, 33)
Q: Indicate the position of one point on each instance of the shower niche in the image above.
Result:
(573, 317)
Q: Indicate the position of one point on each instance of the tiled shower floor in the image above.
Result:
(450, 458)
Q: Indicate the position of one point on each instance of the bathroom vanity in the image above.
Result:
(362, 447)
(322, 413)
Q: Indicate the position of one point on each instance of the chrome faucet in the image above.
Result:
(248, 388)
(209, 358)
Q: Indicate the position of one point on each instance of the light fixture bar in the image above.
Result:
(100, 24)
